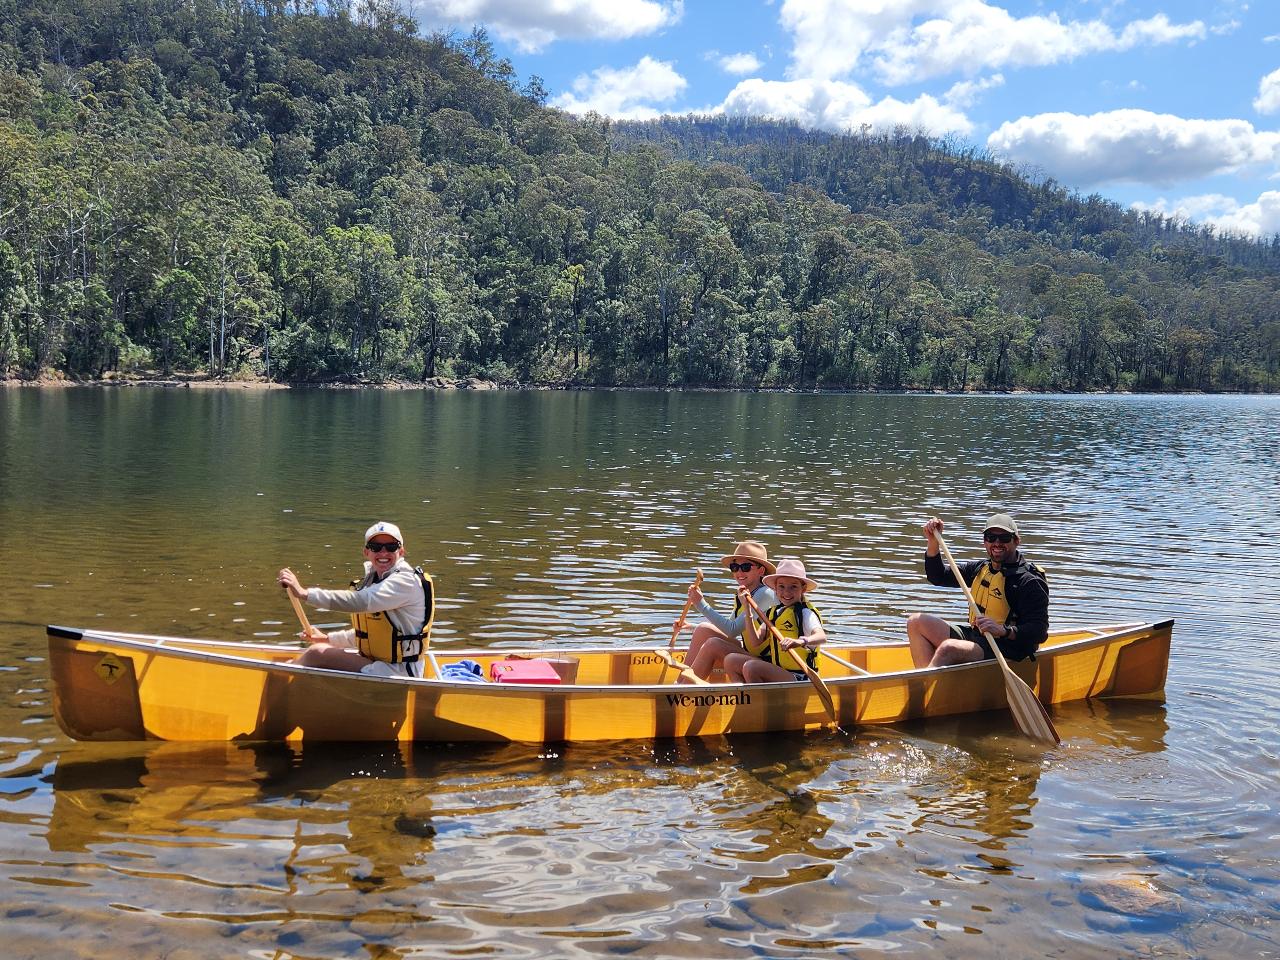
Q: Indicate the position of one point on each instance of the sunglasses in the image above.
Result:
(375, 547)
(998, 537)
(740, 567)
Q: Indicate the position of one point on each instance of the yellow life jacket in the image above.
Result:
(990, 597)
(738, 607)
(378, 638)
(788, 619)
(991, 594)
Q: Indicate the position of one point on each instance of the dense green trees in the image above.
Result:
(312, 192)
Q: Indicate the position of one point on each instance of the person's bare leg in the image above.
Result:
(701, 634)
(733, 664)
(712, 654)
(925, 633)
(758, 671)
(332, 658)
(952, 651)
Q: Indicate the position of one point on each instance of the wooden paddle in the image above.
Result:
(302, 617)
(1028, 712)
(844, 663)
(823, 693)
(688, 602)
(684, 668)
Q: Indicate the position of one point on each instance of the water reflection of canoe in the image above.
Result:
(121, 686)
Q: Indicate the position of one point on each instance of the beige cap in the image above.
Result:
(384, 529)
(1001, 521)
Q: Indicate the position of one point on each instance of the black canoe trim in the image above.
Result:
(66, 633)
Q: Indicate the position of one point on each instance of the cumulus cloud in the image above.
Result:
(839, 107)
(738, 63)
(908, 41)
(533, 24)
(624, 94)
(1260, 218)
(1268, 99)
(968, 92)
(1132, 145)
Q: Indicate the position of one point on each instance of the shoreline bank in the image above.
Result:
(201, 382)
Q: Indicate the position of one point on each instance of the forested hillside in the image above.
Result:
(267, 190)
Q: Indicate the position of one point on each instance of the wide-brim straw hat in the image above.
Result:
(749, 550)
(789, 567)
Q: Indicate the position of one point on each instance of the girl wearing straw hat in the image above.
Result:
(719, 635)
(798, 623)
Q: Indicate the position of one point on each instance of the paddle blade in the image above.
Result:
(824, 694)
(1028, 712)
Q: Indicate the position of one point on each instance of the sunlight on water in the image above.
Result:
(580, 517)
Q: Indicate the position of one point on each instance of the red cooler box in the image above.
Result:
(523, 671)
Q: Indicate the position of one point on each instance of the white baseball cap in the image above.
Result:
(384, 529)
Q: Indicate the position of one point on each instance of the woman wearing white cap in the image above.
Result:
(391, 612)
(798, 624)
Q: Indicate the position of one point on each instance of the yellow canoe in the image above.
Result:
(123, 686)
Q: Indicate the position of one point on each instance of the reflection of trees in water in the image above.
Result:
(337, 831)
(330, 813)
(773, 811)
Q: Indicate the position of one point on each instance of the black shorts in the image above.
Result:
(1012, 651)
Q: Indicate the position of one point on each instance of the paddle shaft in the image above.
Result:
(302, 617)
(844, 663)
(823, 693)
(1040, 727)
(697, 582)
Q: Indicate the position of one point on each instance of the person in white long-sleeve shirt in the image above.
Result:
(391, 612)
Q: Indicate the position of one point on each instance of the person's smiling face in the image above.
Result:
(383, 552)
(789, 590)
(748, 574)
(1001, 545)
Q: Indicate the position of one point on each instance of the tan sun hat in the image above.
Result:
(382, 528)
(749, 550)
(1001, 521)
(790, 567)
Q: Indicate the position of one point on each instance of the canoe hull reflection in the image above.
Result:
(120, 686)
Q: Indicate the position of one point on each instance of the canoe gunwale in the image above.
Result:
(180, 648)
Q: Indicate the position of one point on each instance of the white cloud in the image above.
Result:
(739, 63)
(839, 107)
(1268, 100)
(624, 94)
(967, 92)
(1132, 145)
(1197, 209)
(909, 41)
(1258, 219)
(533, 24)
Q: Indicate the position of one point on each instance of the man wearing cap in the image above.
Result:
(720, 635)
(391, 612)
(1010, 593)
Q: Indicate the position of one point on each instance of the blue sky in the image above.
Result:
(1169, 105)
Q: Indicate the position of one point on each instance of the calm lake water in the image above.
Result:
(1152, 831)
